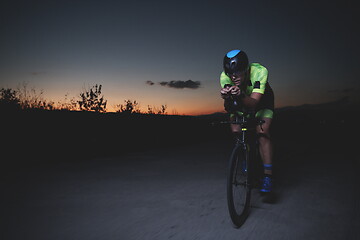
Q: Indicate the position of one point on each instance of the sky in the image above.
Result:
(170, 52)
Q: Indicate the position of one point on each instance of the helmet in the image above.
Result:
(235, 61)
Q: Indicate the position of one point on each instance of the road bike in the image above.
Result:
(242, 169)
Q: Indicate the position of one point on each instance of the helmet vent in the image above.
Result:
(233, 63)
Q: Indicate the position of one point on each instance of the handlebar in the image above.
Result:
(245, 122)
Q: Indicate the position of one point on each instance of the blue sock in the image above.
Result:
(268, 167)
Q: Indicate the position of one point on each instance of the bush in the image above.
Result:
(68, 104)
(129, 107)
(154, 110)
(91, 100)
(9, 99)
(32, 99)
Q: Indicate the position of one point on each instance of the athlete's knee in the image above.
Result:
(264, 137)
(235, 129)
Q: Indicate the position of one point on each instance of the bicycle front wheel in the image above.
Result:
(238, 186)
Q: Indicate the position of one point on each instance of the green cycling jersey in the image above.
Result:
(258, 83)
(258, 79)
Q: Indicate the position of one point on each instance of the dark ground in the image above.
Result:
(88, 176)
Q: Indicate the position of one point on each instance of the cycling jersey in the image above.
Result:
(258, 83)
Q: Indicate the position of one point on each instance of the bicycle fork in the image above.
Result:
(243, 161)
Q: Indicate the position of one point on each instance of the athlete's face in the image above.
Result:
(238, 78)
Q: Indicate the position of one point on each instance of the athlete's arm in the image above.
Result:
(248, 101)
(252, 100)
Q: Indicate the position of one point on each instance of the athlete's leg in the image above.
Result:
(235, 128)
(265, 144)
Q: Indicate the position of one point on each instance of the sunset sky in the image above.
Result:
(309, 47)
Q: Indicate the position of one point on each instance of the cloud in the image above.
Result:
(150, 83)
(181, 84)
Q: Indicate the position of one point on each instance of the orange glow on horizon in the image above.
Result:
(176, 111)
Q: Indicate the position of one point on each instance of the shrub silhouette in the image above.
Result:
(91, 100)
(163, 109)
(32, 99)
(154, 110)
(9, 99)
(150, 110)
(129, 107)
(67, 104)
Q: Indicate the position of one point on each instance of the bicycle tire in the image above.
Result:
(238, 186)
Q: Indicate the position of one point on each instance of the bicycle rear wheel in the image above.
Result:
(238, 186)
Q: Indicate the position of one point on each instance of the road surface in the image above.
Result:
(178, 193)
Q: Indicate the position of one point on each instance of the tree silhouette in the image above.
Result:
(91, 100)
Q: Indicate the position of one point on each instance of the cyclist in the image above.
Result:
(248, 84)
